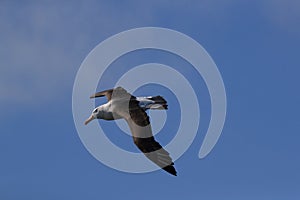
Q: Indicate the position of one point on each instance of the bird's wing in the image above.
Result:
(115, 93)
(106, 93)
(140, 127)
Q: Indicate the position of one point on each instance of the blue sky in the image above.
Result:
(255, 45)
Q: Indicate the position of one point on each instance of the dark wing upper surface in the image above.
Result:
(137, 114)
(154, 151)
(140, 127)
(106, 93)
(115, 93)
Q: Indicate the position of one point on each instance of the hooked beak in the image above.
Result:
(89, 119)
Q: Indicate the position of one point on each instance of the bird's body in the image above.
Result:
(111, 109)
(122, 105)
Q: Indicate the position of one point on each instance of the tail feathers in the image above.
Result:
(157, 107)
(158, 99)
(160, 103)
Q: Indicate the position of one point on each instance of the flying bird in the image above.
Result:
(122, 105)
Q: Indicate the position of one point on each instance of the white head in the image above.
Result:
(96, 114)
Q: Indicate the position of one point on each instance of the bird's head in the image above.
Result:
(96, 114)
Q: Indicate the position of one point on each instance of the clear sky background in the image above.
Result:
(255, 45)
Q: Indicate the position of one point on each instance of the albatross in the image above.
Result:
(123, 105)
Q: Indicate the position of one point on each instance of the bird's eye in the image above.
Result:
(96, 110)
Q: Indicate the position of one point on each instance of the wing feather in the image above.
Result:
(154, 151)
(140, 127)
(106, 93)
(115, 93)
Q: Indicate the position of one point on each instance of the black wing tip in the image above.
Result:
(170, 169)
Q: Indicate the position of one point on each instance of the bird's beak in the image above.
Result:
(89, 119)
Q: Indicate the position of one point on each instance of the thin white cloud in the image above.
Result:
(43, 44)
(283, 13)
(42, 47)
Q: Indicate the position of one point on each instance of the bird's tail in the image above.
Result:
(159, 103)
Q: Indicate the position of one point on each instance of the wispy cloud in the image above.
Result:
(42, 46)
(284, 14)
